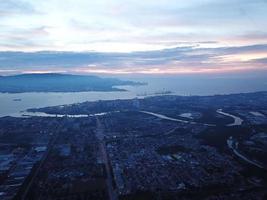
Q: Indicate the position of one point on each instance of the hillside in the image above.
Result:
(52, 82)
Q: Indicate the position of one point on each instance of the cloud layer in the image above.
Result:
(129, 25)
(167, 61)
(126, 36)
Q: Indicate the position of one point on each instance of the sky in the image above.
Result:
(130, 36)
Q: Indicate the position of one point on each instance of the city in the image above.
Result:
(163, 147)
(133, 100)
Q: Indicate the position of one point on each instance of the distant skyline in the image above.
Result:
(129, 36)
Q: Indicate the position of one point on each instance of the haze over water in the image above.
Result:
(12, 104)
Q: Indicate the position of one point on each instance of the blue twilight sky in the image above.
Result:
(130, 36)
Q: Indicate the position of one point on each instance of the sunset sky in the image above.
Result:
(130, 36)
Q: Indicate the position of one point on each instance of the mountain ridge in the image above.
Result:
(57, 82)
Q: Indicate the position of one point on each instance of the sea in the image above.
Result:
(14, 104)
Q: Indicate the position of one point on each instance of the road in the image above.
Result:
(50, 146)
(113, 195)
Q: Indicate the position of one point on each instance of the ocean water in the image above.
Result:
(13, 104)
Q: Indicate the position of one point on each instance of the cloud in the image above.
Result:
(174, 60)
(262, 61)
(127, 36)
(24, 38)
(15, 7)
(129, 25)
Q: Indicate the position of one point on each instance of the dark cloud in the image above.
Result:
(192, 57)
(260, 61)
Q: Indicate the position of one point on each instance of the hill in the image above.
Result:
(52, 82)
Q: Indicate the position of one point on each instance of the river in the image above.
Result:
(233, 145)
(237, 120)
(174, 119)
